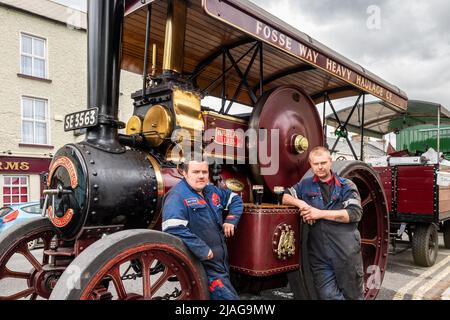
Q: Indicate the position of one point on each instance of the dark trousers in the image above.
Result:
(220, 288)
(338, 280)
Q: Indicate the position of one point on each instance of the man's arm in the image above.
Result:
(311, 213)
(291, 197)
(232, 202)
(291, 201)
(175, 221)
(351, 202)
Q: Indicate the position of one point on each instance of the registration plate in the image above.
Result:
(81, 119)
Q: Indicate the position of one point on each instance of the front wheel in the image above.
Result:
(24, 273)
(162, 268)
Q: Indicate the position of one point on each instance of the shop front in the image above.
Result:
(20, 179)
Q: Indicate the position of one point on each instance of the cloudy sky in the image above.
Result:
(405, 42)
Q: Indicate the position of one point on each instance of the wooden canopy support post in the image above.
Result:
(324, 120)
(439, 131)
(362, 126)
(147, 45)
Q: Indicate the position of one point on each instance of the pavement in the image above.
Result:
(406, 281)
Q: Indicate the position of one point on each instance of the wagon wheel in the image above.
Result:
(374, 226)
(98, 272)
(425, 244)
(34, 281)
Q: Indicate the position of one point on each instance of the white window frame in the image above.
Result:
(27, 185)
(33, 57)
(46, 121)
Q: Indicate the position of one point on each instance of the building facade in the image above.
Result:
(342, 151)
(44, 77)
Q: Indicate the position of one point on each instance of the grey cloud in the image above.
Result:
(411, 50)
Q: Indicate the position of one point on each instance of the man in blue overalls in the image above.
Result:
(332, 206)
(192, 211)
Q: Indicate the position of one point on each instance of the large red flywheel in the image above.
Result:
(288, 113)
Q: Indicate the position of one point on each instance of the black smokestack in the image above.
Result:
(105, 25)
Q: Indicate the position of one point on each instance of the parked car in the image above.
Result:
(12, 214)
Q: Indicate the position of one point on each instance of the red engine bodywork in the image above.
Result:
(224, 136)
(256, 255)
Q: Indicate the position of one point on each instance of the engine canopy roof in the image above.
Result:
(289, 55)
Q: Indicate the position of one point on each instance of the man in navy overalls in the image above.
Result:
(192, 211)
(332, 206)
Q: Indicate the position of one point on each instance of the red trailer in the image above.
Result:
(419, 204)
(417, 188)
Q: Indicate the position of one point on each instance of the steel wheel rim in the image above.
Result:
(176, 263)
(373, 204)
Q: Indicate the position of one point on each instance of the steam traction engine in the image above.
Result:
(105, 194)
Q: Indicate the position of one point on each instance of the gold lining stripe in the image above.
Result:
(159, 177)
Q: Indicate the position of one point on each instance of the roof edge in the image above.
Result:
(80, 27)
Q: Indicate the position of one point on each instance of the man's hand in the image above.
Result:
(210, 255)
(311, 214)
(228, 228)
(302, 205)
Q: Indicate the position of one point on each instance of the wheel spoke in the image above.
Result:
(146, 264)
(14, 274)
(19, 295)
(366, 201)
(162, 279)
(371, 242)
(118, 284)
(32, 259)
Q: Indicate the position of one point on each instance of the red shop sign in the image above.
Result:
(24, 165)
